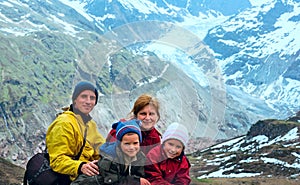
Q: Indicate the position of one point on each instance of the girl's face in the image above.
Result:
(85, 102)
(130, 144)
(172, 148)
(148, 116)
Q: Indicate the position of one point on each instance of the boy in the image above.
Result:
(121, 162)
(167, 164)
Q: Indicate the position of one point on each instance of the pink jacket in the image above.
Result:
(161, 170)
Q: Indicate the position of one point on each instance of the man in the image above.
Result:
(65, 135)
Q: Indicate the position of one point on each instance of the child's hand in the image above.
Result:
(144, 181)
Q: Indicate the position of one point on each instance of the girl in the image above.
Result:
(167, 163)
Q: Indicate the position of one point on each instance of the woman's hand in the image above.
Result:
(90, 168)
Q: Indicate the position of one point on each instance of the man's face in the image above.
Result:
(85, 102)
(130, 144)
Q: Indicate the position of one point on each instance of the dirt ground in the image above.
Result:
(13, 175)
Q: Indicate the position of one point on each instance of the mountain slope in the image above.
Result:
(269, 149)
(10, 174)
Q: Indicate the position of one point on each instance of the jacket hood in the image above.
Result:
(109, 148)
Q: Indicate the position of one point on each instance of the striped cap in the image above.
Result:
(127, 127)
(176, 131)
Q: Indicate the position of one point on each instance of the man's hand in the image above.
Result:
(144, 181)
(90, 168)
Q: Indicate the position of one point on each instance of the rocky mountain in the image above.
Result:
(270, 149)
(127, 48)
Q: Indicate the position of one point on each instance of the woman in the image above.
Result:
(145, 109)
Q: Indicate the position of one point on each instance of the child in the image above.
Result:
(167, 164)
(121, 161)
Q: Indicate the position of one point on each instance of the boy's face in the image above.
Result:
(172, 148)
(130, 144)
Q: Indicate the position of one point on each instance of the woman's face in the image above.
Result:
(149, 117)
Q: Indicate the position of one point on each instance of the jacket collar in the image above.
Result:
(85, 118)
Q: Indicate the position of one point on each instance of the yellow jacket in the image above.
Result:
(64, 139)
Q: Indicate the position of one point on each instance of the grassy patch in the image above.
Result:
(204, 180)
